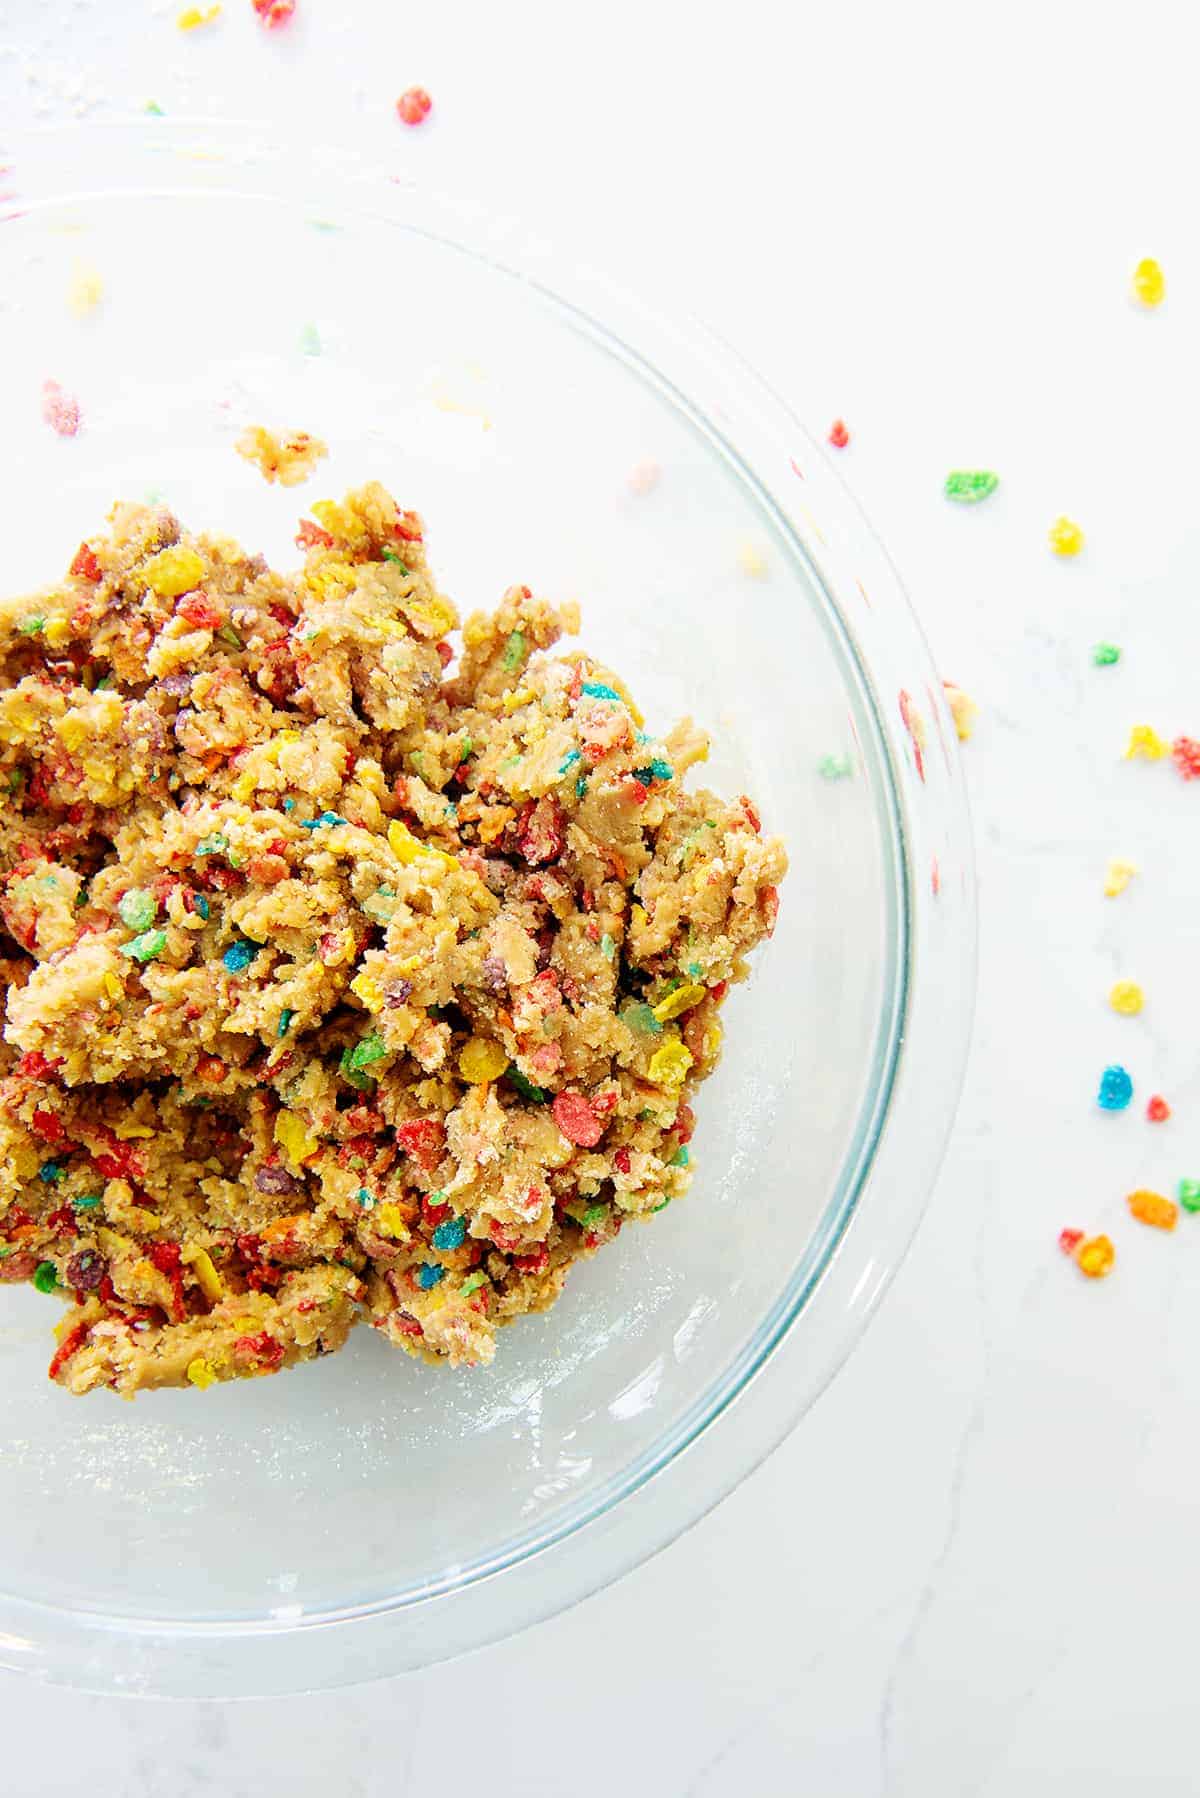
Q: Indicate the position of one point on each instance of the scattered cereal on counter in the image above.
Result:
(414, 106)
(1146, 742)
(644, 477)
(1069, 1240)
(1149, 282)
(1095, 1256)
(963, 710)
(60, 410)
(969, 485)
(288, 460)
(835, 767)
(839, 436)
(1157, 1109)
(192, 18)
(1116, 1089)
(154, 109)
(274, 13)
(1066, 537)
(1153, 1208)
(1104, 655)
(1185, 752)
(1127, 998)
(310, 340)
(1189, 1194)
(86, 290)
(1117, 877)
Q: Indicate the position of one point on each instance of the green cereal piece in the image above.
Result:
(514, 651)
(31, 624)
(595, 1214)
(228, 635)
(214, 845)
(472, 1283)
(389, 555)
(608, 948)
(969, 485)
(138, 909)
(640, 1017)
(834, 767)
(147, 947)
(45, 1276)
(88, 1202)
(371, 1048)
(1105, 654)
(526, 1088)
(1189, 1194)
(310, 340)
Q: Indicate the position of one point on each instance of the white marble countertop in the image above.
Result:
(968, 1571)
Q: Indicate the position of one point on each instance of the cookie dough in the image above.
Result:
(350, 977)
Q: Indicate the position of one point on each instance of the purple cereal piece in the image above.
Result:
(276, 1179)
(86, 1270)
(399, 993)
(495, 972)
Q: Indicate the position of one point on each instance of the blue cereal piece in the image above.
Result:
(429, 1275)
(596, 689)
(1116, 1089)
(239, 955)
(451, 1234)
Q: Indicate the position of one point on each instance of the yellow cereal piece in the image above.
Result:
(389, 1221)
(963, 710)
(1095, 1256)
(56, 632)
(1149, 282)
(751, 560)
(112, 986)
(1066, 537)
(72, 732)
(173, 571)
(364, 986)
(1154, 1209)
(635, 712)
(1145, 742)
(669, 1065)
(637, 916)
(406, 848)
(193, 17)
(512, 702)
(291, 1133)
(200, 1373)
(243, 786)
(1117, 878)
(482, 1059)
(207, 1277)
(133, 1132)
(1127, 997)
(676, 1003)
(86, 290)
(430, 617)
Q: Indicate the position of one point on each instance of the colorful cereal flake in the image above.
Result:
(839, 436)
(414, 106)
(1154, 1209)
(274, 13)
(967, 486)
(963, 710)
(751, 560)
(1066, 537)
(1105, 655)
(1094, 1256)
(60, 410)
(1157, 1110)
(1185, 753)
(85, 291)
(1145, 742)
(644, 477)
(1149, 283)
(1117, 877)
(1115, 1090)
(193, 18)
(1189, 1194)
(1127, 998)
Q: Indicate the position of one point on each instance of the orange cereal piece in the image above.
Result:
(1152, 1208)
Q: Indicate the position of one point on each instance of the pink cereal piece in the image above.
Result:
(1185, 752)
(60, 410)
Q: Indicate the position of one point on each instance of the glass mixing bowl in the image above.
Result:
(366, 1514)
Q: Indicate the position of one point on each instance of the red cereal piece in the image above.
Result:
(1185, 752)
(1069, 1241)
(751, 812)
(534, 1263)
(621, 1161)
(262, 1347)
(60, 410)
(414, 105)
(408, 1325)
(1157, 1110)
(408, 528)
(541, 831)
(424, 1140)
(274, 13)
(445, 654)
(577, 1120)
(199, 611)
(49, 1125)
(308, 536)
(85, 564)
(74, 1339)
(839, 436)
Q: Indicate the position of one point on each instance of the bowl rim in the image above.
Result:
(927, 1015)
